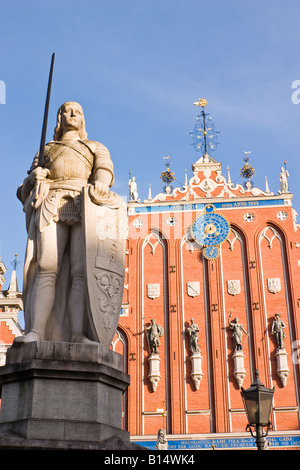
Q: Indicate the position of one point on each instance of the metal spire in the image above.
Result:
(13, 285)
(205, 136)
(15, 262)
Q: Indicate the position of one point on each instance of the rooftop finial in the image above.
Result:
(167, 176)
(13, 285)
(205, 136)
(15, 262)
(247, 171)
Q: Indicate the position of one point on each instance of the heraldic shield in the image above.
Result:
(106, 229)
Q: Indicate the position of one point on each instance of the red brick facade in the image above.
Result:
(6, 333)
(262, 247)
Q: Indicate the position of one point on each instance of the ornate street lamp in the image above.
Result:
(258, 402)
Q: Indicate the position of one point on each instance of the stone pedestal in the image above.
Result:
(154, 373)
(63, 392)
(196, 373)
(239, 369)
(282, 365)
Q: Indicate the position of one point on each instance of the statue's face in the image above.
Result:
(71, 117)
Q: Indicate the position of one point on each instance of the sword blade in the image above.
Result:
(44, 129)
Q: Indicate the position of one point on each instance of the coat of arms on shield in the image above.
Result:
(274, 285)
(106, 230)
(193, 288)
(153, 291)
(234, 286)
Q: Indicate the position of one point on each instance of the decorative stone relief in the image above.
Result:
(196, 358)
(282, 215)
(249, 217)
(153, 291)
(278, 327)
(138, 223)
(193, 288)
(171, 221)
(234, 287)
(153, 333)
(274, 285)
(207, 185)
(109, 285)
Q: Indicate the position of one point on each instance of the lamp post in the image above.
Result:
(258, 402)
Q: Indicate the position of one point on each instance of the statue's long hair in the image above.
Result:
(58, 130)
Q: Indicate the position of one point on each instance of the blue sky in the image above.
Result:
(136, 67)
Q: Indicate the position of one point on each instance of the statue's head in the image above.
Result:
(70, 114)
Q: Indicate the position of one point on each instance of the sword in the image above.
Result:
(41, 159)
(44, 129)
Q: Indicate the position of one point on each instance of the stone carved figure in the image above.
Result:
(133, 189)
(237, 334)
(193, 331)
(161, 443)
(278, 327)
(59, 199)
(283, 179)
(154, 332)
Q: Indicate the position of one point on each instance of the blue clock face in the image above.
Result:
(210, 229)
(211, 252)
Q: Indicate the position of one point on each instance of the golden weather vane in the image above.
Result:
(201, 103)
(205, 136)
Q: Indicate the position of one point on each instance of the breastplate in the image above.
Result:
(65, 162)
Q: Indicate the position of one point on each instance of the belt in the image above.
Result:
(68, 183)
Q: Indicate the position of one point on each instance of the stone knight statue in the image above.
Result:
(278, 327)
(193, 331)
(237, 334)
(56, 295)
(133, 189)
(154, 332)
(283, 179)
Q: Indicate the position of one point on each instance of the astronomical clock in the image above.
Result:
(210, 230)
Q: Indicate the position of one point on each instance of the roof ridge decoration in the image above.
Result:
(207, 180)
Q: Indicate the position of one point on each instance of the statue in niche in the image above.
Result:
(154, 332)
(193, 331)
(76, 174)
(237, 334)
(161, 443)
(278, 327)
